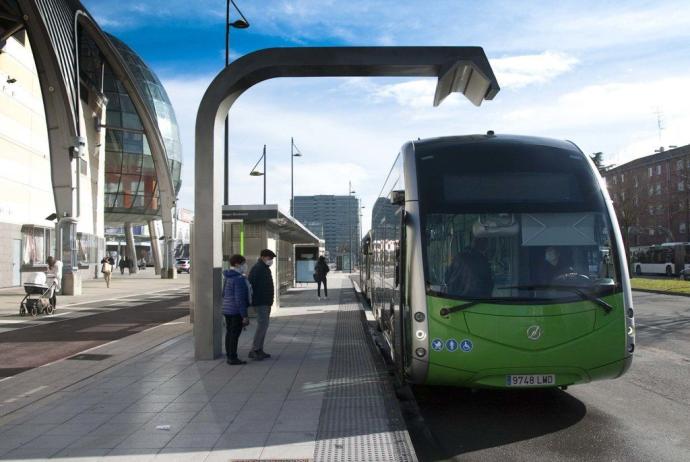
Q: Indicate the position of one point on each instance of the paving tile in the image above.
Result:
(146, 406)
(278, 438)
(205, 427)
(211, 415)
(201, 440)
(225, 455)
(232, 440)
(148, 439)
(29, 452)
(182, 454)
(130, 455)
(93, 418)
(165, 418)
(71, 429)
(133, 417)
(185, 406)
(100, 441)
(288, 451)
(90, 453)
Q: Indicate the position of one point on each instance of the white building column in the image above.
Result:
(155, 246)
(131, 249)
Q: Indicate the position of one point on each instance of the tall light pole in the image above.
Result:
(239, 24)
(359, 253)
(293, 154)
(350, 192)
(254, 172)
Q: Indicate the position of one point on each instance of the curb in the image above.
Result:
(661, 292)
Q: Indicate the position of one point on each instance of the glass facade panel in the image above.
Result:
(131, 185)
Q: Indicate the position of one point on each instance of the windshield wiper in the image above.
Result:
(464, 306)
(584, 295)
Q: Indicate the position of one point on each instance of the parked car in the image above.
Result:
(183, 265)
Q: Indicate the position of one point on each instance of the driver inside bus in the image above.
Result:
(553, 266)
(470, 273)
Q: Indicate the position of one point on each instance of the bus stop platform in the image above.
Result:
(325, 394)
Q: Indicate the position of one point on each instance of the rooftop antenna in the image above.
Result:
(660, 127)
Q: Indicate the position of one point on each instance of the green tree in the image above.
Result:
(598, 159)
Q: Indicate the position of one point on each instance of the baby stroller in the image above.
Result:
(39, 295)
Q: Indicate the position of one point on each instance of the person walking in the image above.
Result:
(107, 270)
(321, 269)
(261, 280)
(235, 303)
(122, 264)
(55, 270)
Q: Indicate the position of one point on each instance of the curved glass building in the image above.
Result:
(131, 184)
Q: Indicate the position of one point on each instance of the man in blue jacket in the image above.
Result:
(261, 280)
(235, 303)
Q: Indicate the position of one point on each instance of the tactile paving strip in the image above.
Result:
(360, 418)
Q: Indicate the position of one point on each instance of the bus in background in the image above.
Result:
(498, 262)
(671, 259)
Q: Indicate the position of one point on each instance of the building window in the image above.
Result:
(615, 179)
(636, 182)
(650, 171)
(615, 197)
(622, 177)
(622, 195)
(657, 189)
(679, 165)
(651, 190)
(635, 201)
(681, 205)
(651, 210)
(681, 186)
(651, 232)
(681, 228)
(658, 169)
(659, 209)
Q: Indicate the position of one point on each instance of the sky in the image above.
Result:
(603, 74)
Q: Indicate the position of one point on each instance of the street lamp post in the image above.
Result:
(350, 192)
(239, 24)
(254, 172)
(293, 154)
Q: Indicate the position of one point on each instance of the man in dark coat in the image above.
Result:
(261, 279)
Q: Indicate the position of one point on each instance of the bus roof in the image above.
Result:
(431, 143)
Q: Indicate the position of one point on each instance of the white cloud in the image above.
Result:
(520, 71)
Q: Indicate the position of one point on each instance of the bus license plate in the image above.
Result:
(530, 380)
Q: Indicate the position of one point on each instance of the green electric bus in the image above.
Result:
(496, 261)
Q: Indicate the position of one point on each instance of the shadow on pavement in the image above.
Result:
(463, 421)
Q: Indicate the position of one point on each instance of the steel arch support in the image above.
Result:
(460, 69)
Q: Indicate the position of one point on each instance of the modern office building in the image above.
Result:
(651, 196)
(111, 156)
(338, 216)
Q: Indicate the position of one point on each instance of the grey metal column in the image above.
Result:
(131, 248)
(155, 246)
(459, 69)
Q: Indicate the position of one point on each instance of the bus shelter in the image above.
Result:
(248, 229)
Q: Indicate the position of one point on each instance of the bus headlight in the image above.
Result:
(419, 316)
(420, 352)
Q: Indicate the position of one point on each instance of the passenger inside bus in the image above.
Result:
(470, 274)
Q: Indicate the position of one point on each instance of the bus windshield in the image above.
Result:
(514, 225)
